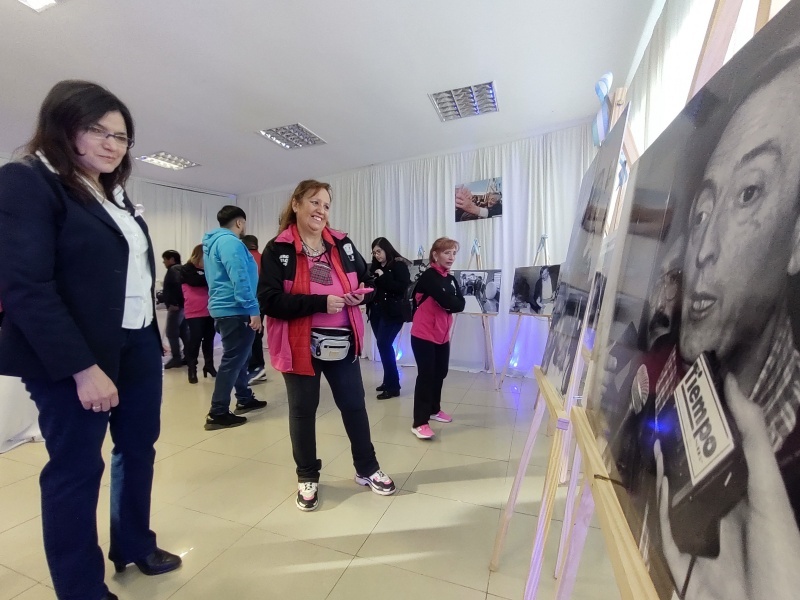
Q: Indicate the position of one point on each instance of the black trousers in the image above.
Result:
(257, 355)
(201, 334)
(70, 481)
(177, 331)
(432, 365)
(344, 377)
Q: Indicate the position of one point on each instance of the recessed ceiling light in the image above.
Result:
(292, 137)
(39, 5)
(166, 160)
(465, 102)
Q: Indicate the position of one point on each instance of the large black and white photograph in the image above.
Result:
(699, 389)
(481, 290)
(534, 290)
(479, 199)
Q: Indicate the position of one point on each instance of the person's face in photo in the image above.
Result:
(545, 275)
(492, 199)
(743, 236)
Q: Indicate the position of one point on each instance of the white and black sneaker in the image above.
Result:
(257, 375)
(307, 496)
(379, 481)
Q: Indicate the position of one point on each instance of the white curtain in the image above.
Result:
(411, 204)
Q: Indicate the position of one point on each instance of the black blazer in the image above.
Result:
(63, 271)
(391, 288)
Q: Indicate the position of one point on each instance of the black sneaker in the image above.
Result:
(307, 496)
(223, 421)
(252, 404)
(174, 363)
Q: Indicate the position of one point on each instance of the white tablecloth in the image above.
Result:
(18, 415)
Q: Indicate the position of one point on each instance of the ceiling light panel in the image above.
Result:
(38, 5)
(165, 160)
(291, 137)
(465, 102)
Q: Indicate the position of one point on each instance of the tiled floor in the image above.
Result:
(225, 501)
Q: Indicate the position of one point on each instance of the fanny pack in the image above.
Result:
(330, 343)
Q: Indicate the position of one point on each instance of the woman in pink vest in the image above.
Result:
(201, 324)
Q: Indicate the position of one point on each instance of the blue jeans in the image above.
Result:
(237, 343)
(70, 480)
(344, 377)
(177, 331)
(386, 330)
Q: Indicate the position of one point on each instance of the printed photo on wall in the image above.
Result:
(698, 389)
(481, 290)
(479, 199)
(534, 290)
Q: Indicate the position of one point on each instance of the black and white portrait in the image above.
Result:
(534, 290)
(481, 290)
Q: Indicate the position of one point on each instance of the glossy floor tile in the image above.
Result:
(225, 500)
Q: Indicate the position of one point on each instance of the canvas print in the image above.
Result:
(481, 289)
(479, 199)
(534, 290)
(578, 274)
(698, 390)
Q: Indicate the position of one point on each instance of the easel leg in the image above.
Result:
(508, 511)
(487, 334)
(581, 527)
(545, 516)
(569, 511)
(510, 350)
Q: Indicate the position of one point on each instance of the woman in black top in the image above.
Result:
(392, 278)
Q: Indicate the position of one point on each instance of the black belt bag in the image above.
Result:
(330, 343)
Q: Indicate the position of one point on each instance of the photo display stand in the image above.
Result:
(540, 250)
(475, 254)
(597, 489)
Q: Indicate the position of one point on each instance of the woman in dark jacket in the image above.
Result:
(76, 278)
(392, 278)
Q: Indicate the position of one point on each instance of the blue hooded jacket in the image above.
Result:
(232, 275)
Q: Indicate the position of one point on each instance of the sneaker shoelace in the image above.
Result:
(380, 476)
(308, 490)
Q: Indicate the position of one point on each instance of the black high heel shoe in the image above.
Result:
(209, 371)
(157, 563)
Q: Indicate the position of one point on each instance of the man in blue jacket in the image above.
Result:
(232, 277)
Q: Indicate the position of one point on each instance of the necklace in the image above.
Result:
(312, 251)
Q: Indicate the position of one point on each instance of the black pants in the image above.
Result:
(257, 356)
(386, 330)
(432, 365)
(201, 332)
(177, 331)
(344, 377)
(70, 480)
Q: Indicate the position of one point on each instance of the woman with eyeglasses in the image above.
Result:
(76, 278)
(392, 278)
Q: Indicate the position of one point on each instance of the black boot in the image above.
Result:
(209, 370)
(192, 374)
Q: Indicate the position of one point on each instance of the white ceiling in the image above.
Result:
(202, 76)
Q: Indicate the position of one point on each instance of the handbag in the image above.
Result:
(330, 343)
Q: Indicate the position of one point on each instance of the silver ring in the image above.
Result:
(95, 407)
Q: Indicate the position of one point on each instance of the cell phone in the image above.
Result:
(362, 291)
(703, 458)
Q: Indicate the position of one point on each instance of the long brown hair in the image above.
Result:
(197, 255)
(288, 216)
(70, 108)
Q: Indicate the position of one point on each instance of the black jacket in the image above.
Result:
(390, 289)
(172, 292)
(63, 272)
(191, 275)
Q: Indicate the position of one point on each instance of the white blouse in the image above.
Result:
(138, 311)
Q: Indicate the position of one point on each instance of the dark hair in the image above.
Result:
(174, 254)
(197, 254)
(391, 254)
(70, 108)
(288, 216)
(251, 242)
(229, 213)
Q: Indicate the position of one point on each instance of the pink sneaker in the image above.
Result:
(423, 432)
(442, 417)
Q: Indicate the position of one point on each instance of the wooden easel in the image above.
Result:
(540, 250)
(475, 253)
(630, 571)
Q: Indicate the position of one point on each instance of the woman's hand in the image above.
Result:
(759, 538)
(335, 304)
(352, 299)
(95, 390)
(378, 272)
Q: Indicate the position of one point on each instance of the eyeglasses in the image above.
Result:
(99, 133)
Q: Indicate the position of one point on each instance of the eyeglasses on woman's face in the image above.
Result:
(101, 134)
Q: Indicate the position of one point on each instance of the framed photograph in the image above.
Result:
(481, 290)
(534, 290)
(479, 199)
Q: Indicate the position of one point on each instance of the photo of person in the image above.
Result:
(534, 290)
(479, 200)
(724, 291)
(481, 290)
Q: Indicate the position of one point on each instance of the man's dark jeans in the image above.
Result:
(177, 331)
(237, 343)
